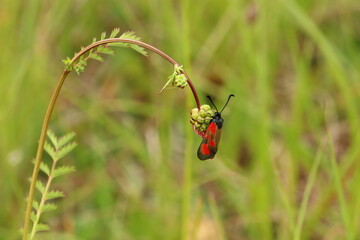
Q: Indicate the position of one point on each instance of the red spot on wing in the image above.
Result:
(205, 149)
(212, 128)
(212, 143)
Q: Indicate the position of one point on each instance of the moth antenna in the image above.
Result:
(212, 103)
(231, 95)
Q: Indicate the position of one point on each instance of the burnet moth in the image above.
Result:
(211, 139)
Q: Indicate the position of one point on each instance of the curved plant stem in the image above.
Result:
(52, 102)
(144, 45)
(40, 151)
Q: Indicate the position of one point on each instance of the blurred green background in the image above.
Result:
(287, 166)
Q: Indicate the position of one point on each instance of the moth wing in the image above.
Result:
(214, 141)
(209, 144)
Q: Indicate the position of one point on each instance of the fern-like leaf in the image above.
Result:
(106, 50)
(65, 150)
(44, 168)
(130, 35)
(53, 138)
(68, 65)
(66, 139)
(48, 207)
(49, 149)
(54, 194)
(79, 65)
(139, 49)
(114, 32)
(56, 148)
(96, 57)
(33, 216)
(40, 186)
(41, 227)
(35, 205)
(103, 36)
(63, 170)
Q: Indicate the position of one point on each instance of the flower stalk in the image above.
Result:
(70, 66)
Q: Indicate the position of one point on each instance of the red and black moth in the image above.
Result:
(211, 139)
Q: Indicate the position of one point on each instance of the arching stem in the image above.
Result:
(144, 45)
(52, 102)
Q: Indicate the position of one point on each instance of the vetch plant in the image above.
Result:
(202, 119)
(57, 148)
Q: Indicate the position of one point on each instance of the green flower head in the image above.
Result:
(200, 119)
(176, 79)
(180, 81)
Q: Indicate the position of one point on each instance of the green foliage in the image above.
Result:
(130, 35)
(44, 168)
(40, 227)
(63, 170)
(40, 186)
(280, 58)
(57, 148)
(52, 194)
(95, 53)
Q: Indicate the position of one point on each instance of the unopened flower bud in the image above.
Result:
(201, 119)
(180, 81)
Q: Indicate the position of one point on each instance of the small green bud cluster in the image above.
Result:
(176, 79)
(180, 81)
(200, 119)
